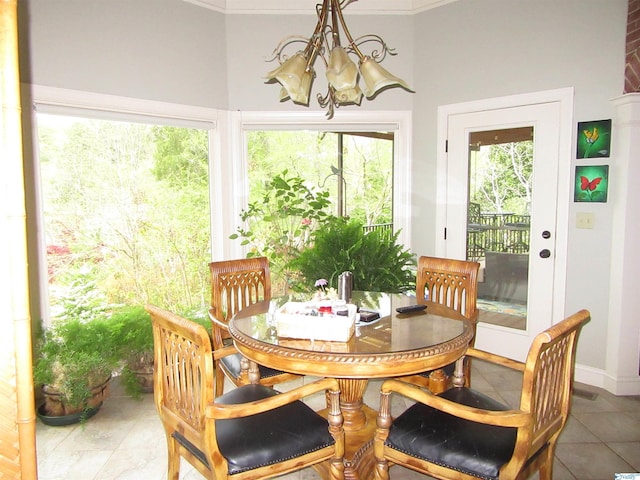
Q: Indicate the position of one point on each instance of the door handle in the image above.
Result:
(546, 253)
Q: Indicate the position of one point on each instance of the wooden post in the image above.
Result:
(17, 429)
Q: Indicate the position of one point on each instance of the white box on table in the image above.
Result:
(292, 322)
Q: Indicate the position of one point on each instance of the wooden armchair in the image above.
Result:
(252, 432)
(237, 284)
(464, 434)
(450, 288)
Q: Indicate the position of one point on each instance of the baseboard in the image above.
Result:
(599, 378)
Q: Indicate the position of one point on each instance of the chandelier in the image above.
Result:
(296, 73)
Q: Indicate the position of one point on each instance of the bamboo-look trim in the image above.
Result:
(543, 411)
(184, 397)
(18, 435)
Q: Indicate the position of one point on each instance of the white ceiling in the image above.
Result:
(308, 6)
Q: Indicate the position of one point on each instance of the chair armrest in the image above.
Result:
(217, 322)
(493, 358)
(505, 418)
(223, 352)
(222, 411)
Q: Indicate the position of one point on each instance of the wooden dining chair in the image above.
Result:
(237, 284)
(463, 434)
(251, 432)
(449, 288)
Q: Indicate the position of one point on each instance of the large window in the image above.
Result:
(363, 158)
(126, 216)
(193, 240)
(356, 168)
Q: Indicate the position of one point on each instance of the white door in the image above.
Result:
(545, 257)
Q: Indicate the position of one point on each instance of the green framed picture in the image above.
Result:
(594, 139)
(591, 183)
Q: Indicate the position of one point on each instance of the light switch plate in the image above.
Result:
(584, 220)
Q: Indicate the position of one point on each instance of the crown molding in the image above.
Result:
(275, 7)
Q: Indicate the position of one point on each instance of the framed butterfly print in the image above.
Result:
(591, 183)
(594, 139)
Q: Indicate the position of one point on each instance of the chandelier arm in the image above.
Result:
(314, 47)
(378, 56)
(278, 52)
(335, 32)
(345, 3)
(338, 11)
(328, 101)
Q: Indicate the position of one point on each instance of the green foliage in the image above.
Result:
(74, 356)
(132, 329)
(133, 339)
(182, 156)
(80, 300)
(281, 223)
(126, 209)
(501, 177)
(377, 261)
(366, 178)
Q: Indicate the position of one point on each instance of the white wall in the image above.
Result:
(165, 50)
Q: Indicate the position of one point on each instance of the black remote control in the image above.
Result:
(368, 317)
(411, 308)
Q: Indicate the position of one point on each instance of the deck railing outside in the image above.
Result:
(384, 227)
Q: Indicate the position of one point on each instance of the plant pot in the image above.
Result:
(62, 420)
(54, 405)
(144, 376)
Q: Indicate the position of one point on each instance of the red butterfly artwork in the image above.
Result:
(589, 185)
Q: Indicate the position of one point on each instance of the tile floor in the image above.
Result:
(125, 440)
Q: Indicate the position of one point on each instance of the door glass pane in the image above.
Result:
(498, 221)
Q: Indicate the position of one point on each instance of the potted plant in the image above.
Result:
(376, 260)
(132, 335)
(133, 338)
(74, 363)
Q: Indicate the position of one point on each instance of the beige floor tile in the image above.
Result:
(611, 426)
(76, 465)
(629, 451)
(135, 463)
(591, 461)
(576, 432)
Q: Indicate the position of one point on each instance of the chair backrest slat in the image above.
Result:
(448, 282)
(183, 373)
(548, 378)
(236, 284)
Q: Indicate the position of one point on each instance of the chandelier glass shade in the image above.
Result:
(296, 72)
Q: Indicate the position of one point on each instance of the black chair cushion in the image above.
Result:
(271, 437)
(232, 365)
(449, 441)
